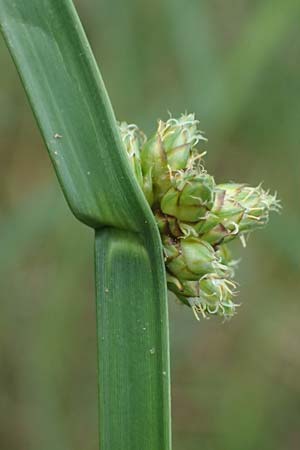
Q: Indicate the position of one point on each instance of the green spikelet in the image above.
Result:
(172, 148)
(238, 210)
(191, 258)
(133, 139)
(190, 196)
(195, 217)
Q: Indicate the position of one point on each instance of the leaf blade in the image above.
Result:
(74, 113)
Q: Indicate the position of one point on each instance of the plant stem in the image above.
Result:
(133, 353)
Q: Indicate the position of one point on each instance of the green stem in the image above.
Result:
(132, 326)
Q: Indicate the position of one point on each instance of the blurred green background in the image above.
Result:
(235, 385)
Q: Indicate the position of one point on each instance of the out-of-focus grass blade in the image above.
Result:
(235, 82)
(193, 38)
(222, 86)
(25, 225)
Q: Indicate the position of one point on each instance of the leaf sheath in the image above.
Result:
(132, 343)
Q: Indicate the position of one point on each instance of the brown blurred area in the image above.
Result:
(236, 384)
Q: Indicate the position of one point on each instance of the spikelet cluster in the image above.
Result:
(196, 217)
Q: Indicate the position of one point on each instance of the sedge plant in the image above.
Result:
(160, 219)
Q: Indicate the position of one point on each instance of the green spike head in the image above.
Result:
(240, 210)
(256, 203)
(191, 258)
(179, 137)
(190, 196)
(195, 217)
(133, 139)
(172, 148)
(210, 295)
(216, 297)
